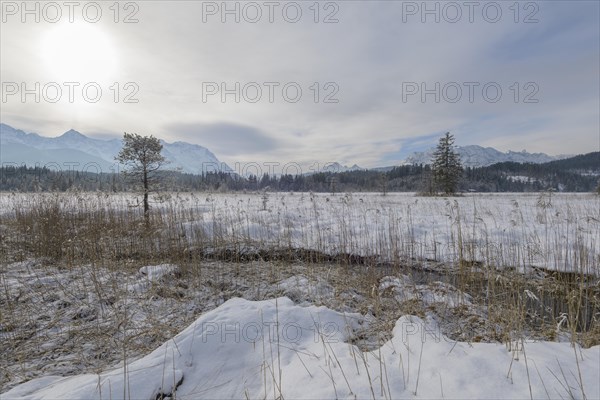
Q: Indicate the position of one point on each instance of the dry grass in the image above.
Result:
(76, 301)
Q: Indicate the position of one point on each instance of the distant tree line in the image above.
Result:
(577, 174)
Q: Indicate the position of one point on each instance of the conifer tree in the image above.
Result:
(446, 165)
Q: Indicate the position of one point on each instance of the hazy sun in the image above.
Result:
(78, 52)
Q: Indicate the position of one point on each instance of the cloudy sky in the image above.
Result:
(363, 82)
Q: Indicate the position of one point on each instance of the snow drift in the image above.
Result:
(274, 348)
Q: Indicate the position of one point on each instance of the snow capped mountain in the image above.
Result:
(331, 167)
(337, 167)
(73, 150)
(191, 158)
(17, 154)
(478, 156)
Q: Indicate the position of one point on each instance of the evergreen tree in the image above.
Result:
(446, 166)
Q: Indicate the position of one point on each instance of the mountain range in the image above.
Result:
(75, 151)
(478, 156)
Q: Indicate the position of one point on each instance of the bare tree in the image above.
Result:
(141, 156)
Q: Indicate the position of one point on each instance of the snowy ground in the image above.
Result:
(60, 320)
(399, 327)
(277, 349)
(555, 231)
(338, 332)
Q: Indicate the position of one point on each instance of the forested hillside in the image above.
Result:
(577, 174)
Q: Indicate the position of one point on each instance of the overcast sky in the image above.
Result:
(369, 74)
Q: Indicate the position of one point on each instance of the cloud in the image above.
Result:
(368, 54)
(224, 138)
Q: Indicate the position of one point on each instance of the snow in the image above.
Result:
(278, 349)
(521, 178)
(155, 272)
(73, 147)
(558, 231)
(436, 292)
(298, 334)
(478, 156)
(151, 274)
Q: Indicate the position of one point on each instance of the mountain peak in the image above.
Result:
(72, 133)
(337, 167)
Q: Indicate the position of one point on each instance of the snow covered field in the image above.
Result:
(551, 231)
(408, 322)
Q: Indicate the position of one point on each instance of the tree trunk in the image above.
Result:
(146, 205)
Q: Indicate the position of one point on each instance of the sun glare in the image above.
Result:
(78, 52)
